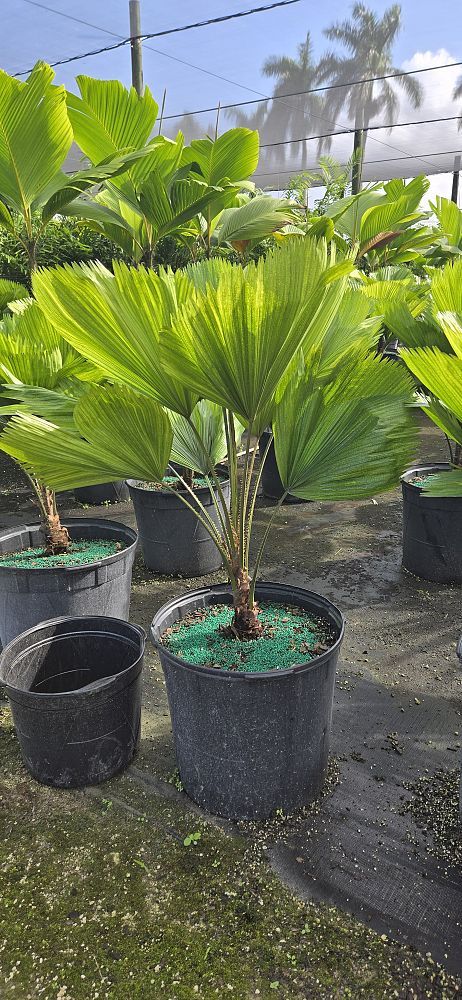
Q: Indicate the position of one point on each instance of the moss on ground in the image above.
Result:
(102, 900)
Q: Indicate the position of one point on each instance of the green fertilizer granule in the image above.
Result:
(426, 480)
(80, 553)
(290, 636)
(199, 482)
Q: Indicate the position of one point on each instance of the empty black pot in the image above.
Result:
(250, 743)
(172, 539)
(432, 530)
(30, 596)
(74, 686)
(103, 493)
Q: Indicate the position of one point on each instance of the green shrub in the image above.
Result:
(63, 242)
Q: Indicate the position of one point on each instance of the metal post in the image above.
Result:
(455, 180)
(136, 46)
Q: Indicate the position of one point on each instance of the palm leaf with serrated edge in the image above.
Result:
(233, 343)
(35, 135)
(346, 439)
(95, 451)
(208, 421)
(440, 373)
(115, 321)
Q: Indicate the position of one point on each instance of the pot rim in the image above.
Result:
(133, 484)
(69, 522)
(91, 631)
(248, 676)
(425, 467)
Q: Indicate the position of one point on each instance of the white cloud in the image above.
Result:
(404, 152)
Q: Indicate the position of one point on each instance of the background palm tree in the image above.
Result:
(298, 116)
(368, 40)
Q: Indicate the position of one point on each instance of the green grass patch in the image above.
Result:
(112, 895)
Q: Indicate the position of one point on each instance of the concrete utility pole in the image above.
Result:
(136, 46)
(455, 180)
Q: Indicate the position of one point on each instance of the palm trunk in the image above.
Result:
(56, 535)
(32, 255)
(358, 156)
(245, 624)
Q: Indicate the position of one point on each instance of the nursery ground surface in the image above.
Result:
(290, 636)
(326, 905)
(80, 553)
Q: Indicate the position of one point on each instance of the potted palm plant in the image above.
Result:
(51, 567)
(432, 493)
(249, 666)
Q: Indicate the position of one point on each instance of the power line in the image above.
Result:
(160, 52)
(169, 31)
(263, 98)
(370, 163)
(350, 131)
(312, 90)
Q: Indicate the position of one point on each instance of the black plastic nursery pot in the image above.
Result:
(172, 539)
(270, 479)
(250, 743)
(432, 530)
(74, 685)
(103, 493)
(30, 596)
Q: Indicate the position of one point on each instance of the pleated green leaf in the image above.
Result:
(450, 219)
(207, 418)
(10, 291)
(255, 220)
(446, 288)
(233, 156)
(35, 135)
(115, 321)
(41, 402)
(73, 186)
(442, 417)
(387, 216)
(6, 219)
(233, 343)
(107, 117)
(451, 325)
(352, 327)
(118, 433)
(346, 439)
(440, 373)
(168, 207)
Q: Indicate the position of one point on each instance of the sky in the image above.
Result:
(222, 63)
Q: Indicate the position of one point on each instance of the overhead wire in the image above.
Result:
(167, 31)
(350, 131)
(341, 130)
(391, 159)
(159, 52)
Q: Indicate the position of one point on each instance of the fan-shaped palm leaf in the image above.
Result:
(35, 136)
(115, 321)
(346, 439)
(234, 343)
(92, 453)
